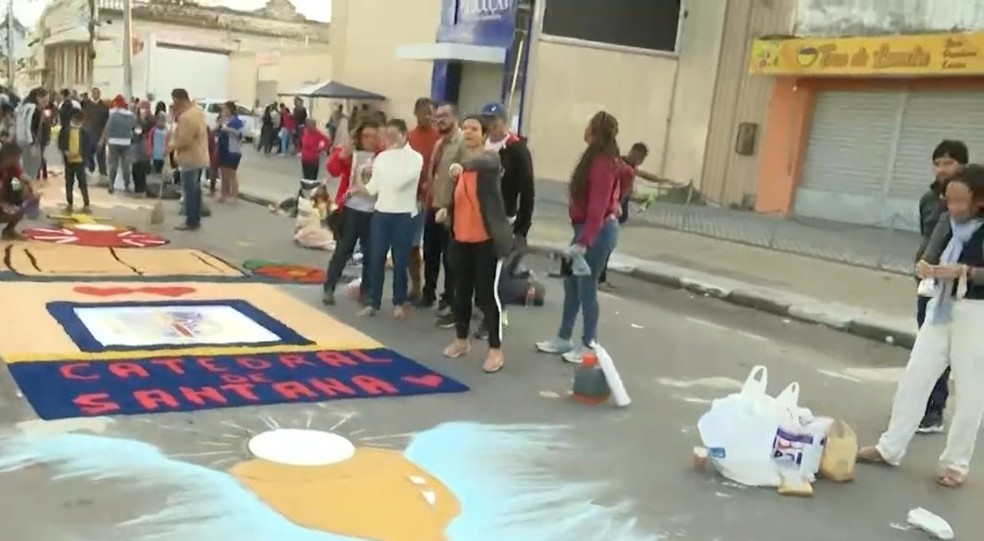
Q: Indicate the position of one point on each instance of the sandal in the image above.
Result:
(871, 455)
(950, 478)
(493, 363)
(457, 350)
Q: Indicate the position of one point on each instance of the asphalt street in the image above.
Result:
(676, 353)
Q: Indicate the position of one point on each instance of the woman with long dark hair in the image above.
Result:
(481, 238)
(594, 210)
(357, 209)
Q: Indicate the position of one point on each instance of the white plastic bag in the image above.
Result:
(801, 437)
(740, 430)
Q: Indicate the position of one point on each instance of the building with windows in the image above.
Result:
(166, 34)
(860, 96)
(669, 70)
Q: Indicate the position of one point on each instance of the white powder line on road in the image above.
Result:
(712, 325)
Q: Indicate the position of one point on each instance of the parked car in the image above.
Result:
(251, 122)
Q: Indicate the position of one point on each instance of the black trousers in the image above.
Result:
(97, 157)
(477, 270)
(75, 174)
(356, 229)
(158, 166)
(941, 391)
(436, 239)
(309, 170)
(140, 171)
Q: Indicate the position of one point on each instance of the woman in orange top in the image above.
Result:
(481, 238)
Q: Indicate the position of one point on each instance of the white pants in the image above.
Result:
(960, 344)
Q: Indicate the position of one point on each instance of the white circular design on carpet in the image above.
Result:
(95, 227)
(298, 447)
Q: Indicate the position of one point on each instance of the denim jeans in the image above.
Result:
(391, 232)
(191, 187)
(941, 391)
(581, 292)
(355, 229)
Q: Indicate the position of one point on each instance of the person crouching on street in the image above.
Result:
(395, 173)
(481, 237)
(954, 259)
(75, 144)
(15, 191)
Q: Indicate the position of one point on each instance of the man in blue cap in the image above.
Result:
(518, 190)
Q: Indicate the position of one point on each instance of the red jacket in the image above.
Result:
(340, 167)
(599, 201)
(313, 143)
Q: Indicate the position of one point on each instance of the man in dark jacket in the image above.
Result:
(96, 113)
(949, 157)
(518, 190)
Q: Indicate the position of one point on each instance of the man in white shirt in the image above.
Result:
(393, 183)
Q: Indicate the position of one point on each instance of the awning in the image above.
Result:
(452, 51)
(334, 90)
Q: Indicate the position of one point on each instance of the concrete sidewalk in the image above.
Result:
(869, 303)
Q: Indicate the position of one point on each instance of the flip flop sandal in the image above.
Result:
(870, 455)
(951, 479)
(452, 352)
(495, 368)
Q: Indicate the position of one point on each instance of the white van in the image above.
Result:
(250, 121)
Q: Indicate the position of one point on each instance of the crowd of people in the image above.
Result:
(454, 196)
(113, 140)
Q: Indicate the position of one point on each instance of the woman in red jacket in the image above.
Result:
(356, 209)
(594, 211)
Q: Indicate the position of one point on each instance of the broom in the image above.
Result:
(157, 213)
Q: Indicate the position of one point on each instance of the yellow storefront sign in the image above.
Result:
(913, 55)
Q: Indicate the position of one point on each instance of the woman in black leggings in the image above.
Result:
(481, 238)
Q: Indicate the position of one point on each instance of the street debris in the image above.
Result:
(757, 440)
(930, 523)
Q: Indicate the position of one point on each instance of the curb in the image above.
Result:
(257, 199)
(840, 317)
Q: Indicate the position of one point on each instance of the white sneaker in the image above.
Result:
(555, 346)
(576, 355)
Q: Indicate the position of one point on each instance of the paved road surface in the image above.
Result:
(676, 353)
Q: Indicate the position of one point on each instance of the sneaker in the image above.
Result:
(86, 210)
(576, 355)
(555, 346)
(445, 321)
(328, 298)
(368, 311)
(443, 307)
(932, 423)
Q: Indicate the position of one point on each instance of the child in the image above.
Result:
(75, 144)
(157, 143)
(949, 157)
(15, 191)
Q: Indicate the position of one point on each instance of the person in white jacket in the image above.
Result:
(393, 182)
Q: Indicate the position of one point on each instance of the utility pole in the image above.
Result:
(128, 50)
(11, 63)
(91, 53)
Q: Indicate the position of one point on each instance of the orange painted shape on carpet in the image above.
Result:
(120, 291)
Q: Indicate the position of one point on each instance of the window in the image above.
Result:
(644, 24)
(242, 111)
(215, 108)
(82, 65)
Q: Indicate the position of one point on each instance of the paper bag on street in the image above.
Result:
(840, 454)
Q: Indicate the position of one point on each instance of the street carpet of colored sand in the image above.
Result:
(127, 348)
(62, 389)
